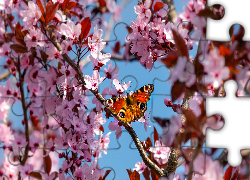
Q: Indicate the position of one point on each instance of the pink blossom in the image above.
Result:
(112, 72)
(211, 169)
(100, 60)
(114, 126)
(59, 16)
(48, 177)
(6, 134)
(145, 119)
(2, 27)
(4, 110)
(52, 52)
(184, 72)
(195, 107)
(170, 131)
(140, 167)
(161, 152)
(31, 15)
(94, 81)
(121, 87)
(143, 11)
(214, 66)
(24, 62)
(213, 122)
(34, 38)
(67, 46)
(25, 170)
(35, 142)
(70, 29)
(49, 147)
(5, 50)
(104, 143)
(163, 11)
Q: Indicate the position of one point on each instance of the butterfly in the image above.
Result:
(133, 106)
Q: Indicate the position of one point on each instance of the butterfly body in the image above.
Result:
(133, 106)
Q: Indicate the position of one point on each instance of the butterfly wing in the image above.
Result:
(119, 107)
(141, 97)
(131, 107)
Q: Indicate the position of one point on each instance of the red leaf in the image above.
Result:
(53, 27)
(156, 136)
(154, 176)
(101, 128)
(152, 2)
(146, 174)
(180, 44)
(158, 6)
(130, 30)
(116, 49)
(162, 122)
(51, 11)
(18, 48)
(171, 59)
(34, 120)
(228, 173)
(67, 5)
(236, 174)
(134, 175)
(86, 25)
(36, 175)
(64, 4)
(231, 173)
(71, 5)
(106, 174)
(47, 163)
(40, 5)
(224, 50)
(129, 171)
(177, 90)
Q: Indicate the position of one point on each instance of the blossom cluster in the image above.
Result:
(60, 119)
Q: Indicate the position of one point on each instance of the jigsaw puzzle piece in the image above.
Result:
(219, 29)
(224, 138)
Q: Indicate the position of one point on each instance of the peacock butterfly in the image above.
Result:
(133, 106)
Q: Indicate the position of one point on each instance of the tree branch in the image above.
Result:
(25, 117)
(130, 130)
(172, 12)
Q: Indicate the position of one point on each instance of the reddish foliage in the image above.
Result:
(231, 173)
(158, 6)
(47, 163)
(86, 25)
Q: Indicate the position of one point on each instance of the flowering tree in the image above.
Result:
(59, 114)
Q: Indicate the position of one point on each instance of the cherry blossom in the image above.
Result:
(214, 66)
(31, 15)
(114, 126)
(34, 38)
(94, 81)
(140, 167)
(25, 170)
(213, 169)
(5, 50)
(143, 11)
(184, 72)
(161, 152)
(170, 131)
(70, 29)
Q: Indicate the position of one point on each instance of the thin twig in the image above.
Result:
(25, 116)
